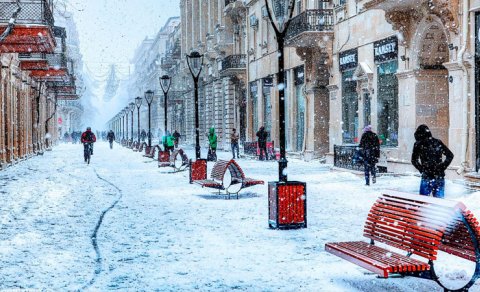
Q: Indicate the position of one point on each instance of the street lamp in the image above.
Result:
(293, 193)
(149, 98)
(126, 111)
(195, 62)
(132, 108)
(122, 113)
(138, 103)
(165, 82)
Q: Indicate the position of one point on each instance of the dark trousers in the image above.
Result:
(263, 150)
(369, 167)
(235, 147)
(434, 186)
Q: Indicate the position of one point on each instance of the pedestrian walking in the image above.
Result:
(234, 142)
(370, 150)
(111, 138)
(262, 143)
(143, 135)
(212, 145)
(176, 138)
(167, 141)
(427, 157)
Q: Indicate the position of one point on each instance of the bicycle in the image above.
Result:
(87, 152)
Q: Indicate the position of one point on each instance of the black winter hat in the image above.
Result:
(422, 133)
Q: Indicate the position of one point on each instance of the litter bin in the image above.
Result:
(198, 170)
(287, 205)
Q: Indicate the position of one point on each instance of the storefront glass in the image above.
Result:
(387, 101)
(349, 108)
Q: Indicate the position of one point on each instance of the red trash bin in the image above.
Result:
(287, 205)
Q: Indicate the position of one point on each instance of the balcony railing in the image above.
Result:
(32, 12)
(317, 20)
(57, 60)
(234, 62)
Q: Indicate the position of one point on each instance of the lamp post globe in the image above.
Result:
(149, 98)
(138, 104)
(195, 63)
(165, 82)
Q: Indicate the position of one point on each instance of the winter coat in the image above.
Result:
(234, 138)
(212, 138)
(262, 136)
(167, 141)
(143, 134)
(88, 137)
(428, 153)
(370, 147)
(111, 136)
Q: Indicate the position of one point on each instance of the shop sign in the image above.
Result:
(348, 59)
(386, 49)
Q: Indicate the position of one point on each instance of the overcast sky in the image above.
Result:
(111, 30)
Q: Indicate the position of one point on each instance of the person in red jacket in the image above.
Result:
(88, 137)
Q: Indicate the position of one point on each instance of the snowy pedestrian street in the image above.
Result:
(122, 223)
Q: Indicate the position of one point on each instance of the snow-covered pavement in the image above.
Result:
(122, 223)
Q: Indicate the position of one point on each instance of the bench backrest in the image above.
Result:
(457, 239)
(218, 170)
(413, 223)
(236, 171)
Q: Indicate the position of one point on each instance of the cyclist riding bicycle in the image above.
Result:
(88, 138)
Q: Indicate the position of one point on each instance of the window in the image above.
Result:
(387, 100)
(254, 97)
(349, 108)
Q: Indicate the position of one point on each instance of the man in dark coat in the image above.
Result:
(427, 157)
(111, 138)
(262, 142)
(176, 138)
(370, 147)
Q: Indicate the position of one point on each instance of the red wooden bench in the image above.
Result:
(178, 160)
(141, 146)
(150, 151)
(418, 225)
(232, 184)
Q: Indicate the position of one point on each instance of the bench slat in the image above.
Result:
(376, 259)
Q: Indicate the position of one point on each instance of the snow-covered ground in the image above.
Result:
(122, 223)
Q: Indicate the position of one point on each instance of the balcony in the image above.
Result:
(33, 61)
(57, 69)
(167, 62)
(70, 104)
(309, 28)
(234, 8)
(66, 86)
(233, 65)
(32, 31)
(400, 13)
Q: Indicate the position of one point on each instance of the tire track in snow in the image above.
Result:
(98, 260)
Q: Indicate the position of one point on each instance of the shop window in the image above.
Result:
(349, 108)
(387, 101)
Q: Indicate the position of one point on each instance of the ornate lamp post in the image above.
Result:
(126, 110)
(283, 195)
(138, 104)
(165, 82)
(149, 98)
(131, 107)
(195, 62)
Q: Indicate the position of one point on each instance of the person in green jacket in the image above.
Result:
(168, 142)
(212, 142)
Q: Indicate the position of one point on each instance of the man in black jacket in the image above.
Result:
(427, 157)
(370, 147)
(262, 136)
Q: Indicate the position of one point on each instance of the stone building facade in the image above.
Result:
(32, 58)
(415, 67)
